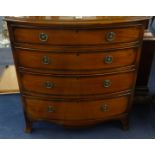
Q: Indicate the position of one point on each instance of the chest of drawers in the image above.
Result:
(76, 72)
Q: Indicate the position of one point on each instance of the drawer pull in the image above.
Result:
(45, 60)
(108, 59)
(43, 37)
(51, 109)
(48, 85)
(104, 108)
(110, 36)
(107, 83)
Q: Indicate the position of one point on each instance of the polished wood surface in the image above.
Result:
(77, 85)
(77, 36)
(74, 60)
(75, 110)
(75, 20)
(76, 71)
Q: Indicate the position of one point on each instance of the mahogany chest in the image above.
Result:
(76, 71)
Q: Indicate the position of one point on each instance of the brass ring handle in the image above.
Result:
(107, 83)
(104, 108)
(110, 36)
(43, 37)
(45, 60)
(48, 85)
(51, 109)
(108, 59)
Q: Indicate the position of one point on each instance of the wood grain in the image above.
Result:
(75, 110)
(76, 37)
(77, 85)
(76, 81)
(76, 61)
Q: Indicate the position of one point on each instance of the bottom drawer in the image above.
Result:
(47, 110)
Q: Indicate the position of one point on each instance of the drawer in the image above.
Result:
(73, 85)
(43, 109)
(51, 36)
(76, 61)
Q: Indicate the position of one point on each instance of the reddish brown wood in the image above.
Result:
(76, 60)
(77, 85)
(76, 49)
(73, 21)
(125, 122)
(75, 110)
(28, 128)
(76, 37)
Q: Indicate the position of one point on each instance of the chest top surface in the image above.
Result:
(75, 20)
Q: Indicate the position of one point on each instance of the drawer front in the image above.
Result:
(42, 109)
(78, 36)
(76, 61)
(77, 85)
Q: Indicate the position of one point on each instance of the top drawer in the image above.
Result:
(51, 36)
